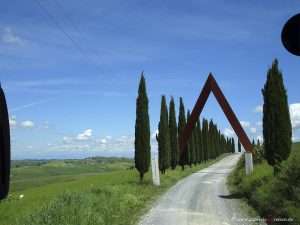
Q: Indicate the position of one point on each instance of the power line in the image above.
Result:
(70, 38)
(85, 39)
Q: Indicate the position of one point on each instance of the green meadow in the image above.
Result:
(83, 192)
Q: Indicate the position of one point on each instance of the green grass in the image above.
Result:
(109, 198)
(271, 196)
(56, 171)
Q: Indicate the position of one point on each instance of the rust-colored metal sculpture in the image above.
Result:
(212, 86)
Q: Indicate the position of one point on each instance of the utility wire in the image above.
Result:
(86, 40)
(72, 40)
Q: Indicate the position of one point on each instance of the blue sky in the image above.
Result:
(63, 106)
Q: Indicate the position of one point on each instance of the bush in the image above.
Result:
(278, 196)
(282, 196)
(258, 154)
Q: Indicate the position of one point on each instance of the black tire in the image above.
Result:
(4, 147)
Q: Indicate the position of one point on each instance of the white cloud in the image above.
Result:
(295, 115)
(245, 124)
(228, 132)
(10, 38)
(85, 136)
(12, 121)
(259, 123)
(27, 124)
(103, 141)
(258, 109)
(253, 130)
(67, 139)
(295, 138)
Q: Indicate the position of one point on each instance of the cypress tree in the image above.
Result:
(233, 146)
(173, 135)
(142, 131)
(184, 158)
(253, 143)
(163, 138)
(205, 138)
(227, 145)
(258, 143)
(239, 146)
(211, 142)
(196, 143)
(223, 142)
(200, 142)
(219, 142)
(277, 129)
(191, 144)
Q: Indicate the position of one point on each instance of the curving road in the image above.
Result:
(201, 198)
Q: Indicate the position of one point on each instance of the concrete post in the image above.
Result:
(248, 163)
(155, 171)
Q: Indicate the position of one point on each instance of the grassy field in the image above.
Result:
(29, 174)
(271, 196)
(87, 198)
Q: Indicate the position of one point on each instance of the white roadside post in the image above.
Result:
(155, 170)
(248, 163)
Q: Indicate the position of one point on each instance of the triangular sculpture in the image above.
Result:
(212, 86)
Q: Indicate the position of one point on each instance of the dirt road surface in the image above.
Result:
(201, 198)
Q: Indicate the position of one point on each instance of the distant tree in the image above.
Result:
(277, 129)
(163, 138)
(253, 143)
(142, 131)
(173, 134)
(258, 143)
(184, 157)
(200, 143)
(227, 145)
(211, 139)
(205, 138)
(232, 145)
(239, 146)
(191, 144)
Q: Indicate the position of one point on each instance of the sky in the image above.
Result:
(70, 69)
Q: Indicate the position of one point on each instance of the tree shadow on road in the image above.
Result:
(231, 196)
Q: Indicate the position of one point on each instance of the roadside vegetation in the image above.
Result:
(109, 198)
(273, 188)
(271, 196)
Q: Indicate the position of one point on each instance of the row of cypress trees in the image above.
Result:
(206, 142)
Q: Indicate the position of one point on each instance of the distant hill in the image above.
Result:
(89, 160)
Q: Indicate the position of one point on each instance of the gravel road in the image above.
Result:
(201, 198)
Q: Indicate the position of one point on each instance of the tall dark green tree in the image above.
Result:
(239, 146)
(184, 157)
(205, 139)
(142, 131)
(173, 134)
(227, 145)
(232, 145)
(277, 129)
(196, 143)
(258, 143)
(200, 142)
(191, 144)
(163, 138)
